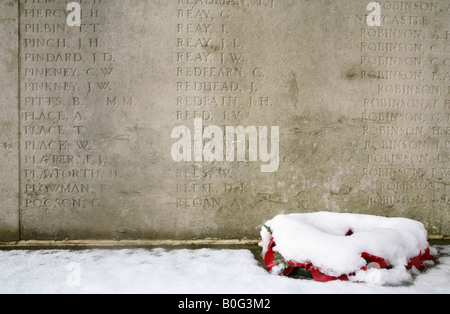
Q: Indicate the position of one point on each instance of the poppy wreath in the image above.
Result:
(274, 260)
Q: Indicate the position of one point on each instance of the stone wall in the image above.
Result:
(183, 119)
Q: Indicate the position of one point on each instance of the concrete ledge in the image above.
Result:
(86, 244)
(122, 244)
(438, 237)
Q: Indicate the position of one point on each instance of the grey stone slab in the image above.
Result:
(9, 165)
(128, 121)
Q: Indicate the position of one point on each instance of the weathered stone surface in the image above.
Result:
(9, 165)
(127, 121)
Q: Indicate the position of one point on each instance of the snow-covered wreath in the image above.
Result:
(350, 247)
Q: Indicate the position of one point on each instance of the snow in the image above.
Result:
(320, 239)
(194, 271)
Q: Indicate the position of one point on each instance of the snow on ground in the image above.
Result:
(160, 271)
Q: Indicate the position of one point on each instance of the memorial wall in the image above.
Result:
(196, 119)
